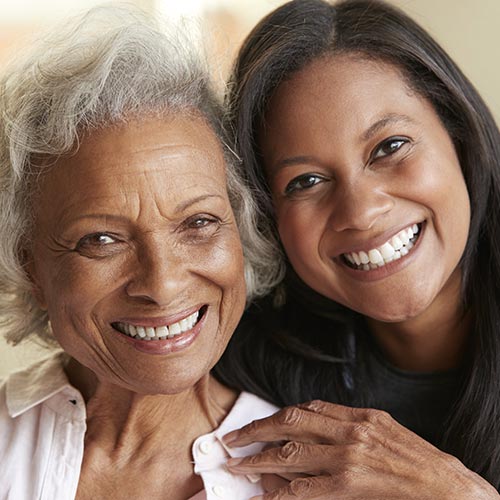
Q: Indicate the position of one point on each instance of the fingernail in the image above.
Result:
(234, 462)
(230, 437)
(260, 497)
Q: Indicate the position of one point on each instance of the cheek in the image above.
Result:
(300, 231)
(223, 265)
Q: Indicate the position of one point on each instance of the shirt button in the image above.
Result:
(219, 491)
(205, 447)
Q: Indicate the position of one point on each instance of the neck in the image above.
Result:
(122, 421)
(432, 341)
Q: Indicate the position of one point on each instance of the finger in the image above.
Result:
(310, 488)
(348, 414)
(271, 482)
(293, 457)
(287, 424)
(316, 422)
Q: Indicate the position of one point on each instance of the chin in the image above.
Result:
(398, 313)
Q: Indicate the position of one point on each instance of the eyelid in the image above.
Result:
(292, 186)
(88, 237)
(394, 138)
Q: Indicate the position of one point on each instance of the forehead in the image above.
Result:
(168, 159)
(344, 94)
(345, 81)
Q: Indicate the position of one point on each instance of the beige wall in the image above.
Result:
(468, 29)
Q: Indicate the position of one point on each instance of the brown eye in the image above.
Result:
(389, 147)
(201, 222)
(97, 244)
(305, 181)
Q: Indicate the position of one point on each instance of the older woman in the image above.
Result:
(119, 227)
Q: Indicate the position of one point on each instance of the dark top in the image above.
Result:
(419, 401)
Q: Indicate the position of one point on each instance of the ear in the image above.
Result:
(36, 290)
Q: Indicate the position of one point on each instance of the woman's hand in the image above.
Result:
(352, 453)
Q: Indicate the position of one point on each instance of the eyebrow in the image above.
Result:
(290, 162)
(177, 210)
(383, 122)
(185, 205)
(367, 134)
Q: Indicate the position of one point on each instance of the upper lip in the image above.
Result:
(158, 321)
(376, 241)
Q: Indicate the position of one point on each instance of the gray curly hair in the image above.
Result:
(105, 67)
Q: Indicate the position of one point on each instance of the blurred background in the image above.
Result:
(468, 29)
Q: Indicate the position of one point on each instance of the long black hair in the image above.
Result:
(291, 356)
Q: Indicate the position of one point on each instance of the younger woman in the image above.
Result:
(379, 172)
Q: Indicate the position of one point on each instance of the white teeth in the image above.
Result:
(161, 332)
(363, 257)
(387, 251)
(396, 243)
(175, 329)
(375, 256)
(398, 246)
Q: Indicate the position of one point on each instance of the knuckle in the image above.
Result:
(252, 427)
(252, 460)
(290, 417)
(452, 461)
(360, 432)
(316, 405)
(291, 452)
(302, 487)
(377, 417)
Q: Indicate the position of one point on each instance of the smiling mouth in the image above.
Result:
(396, 247)
(161, 332)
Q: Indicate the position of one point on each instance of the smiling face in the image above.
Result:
(136, 255)
(371, 204)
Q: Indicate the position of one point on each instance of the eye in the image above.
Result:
(388, 147)
(96, 244)
(201, 221)
(302, 182)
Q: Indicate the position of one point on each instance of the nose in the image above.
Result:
(359, 205)
(158, 274)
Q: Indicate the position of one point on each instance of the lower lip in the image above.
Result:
(389, 269)
(167, 346)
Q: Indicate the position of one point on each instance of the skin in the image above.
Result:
(363, 158)
(137, 225)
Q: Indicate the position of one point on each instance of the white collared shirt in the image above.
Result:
(42, 429)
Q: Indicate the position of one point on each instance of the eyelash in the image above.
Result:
(87, 239)
(295, 184)
(201, 226)
(401, 141)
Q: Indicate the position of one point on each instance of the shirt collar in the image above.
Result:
(246, 408)
(37, 383)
